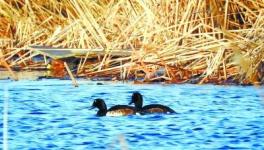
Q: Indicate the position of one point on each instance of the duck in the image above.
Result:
(137, 99)
(117, 110)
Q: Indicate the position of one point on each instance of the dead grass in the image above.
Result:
(210, 40)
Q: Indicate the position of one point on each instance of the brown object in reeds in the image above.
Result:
(57, 68)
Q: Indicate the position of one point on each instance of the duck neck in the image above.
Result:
(139, 105)
(102, 110)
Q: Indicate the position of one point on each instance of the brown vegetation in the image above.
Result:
(198, 41)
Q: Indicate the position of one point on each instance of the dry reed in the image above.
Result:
(208, 40)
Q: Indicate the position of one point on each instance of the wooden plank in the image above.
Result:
(58, 53)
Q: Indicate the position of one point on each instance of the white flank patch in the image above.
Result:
(114, 113)
(138, 114)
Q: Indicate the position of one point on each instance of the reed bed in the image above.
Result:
(198, 41)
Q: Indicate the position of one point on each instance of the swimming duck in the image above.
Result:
(117, 110)
(137, 99)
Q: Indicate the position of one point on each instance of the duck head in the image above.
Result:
(100, 104)
(137, 99)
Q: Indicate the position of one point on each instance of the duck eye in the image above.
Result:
(94, 102)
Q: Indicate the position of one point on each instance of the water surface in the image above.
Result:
(51, 114)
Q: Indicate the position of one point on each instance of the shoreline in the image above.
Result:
(39, 75)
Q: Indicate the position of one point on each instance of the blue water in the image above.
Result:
(51, 114)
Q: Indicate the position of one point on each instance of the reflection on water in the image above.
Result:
(51, 114)
(30, 75)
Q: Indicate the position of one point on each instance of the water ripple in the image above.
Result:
(51, 114)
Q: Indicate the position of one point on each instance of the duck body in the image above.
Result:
(121, 110)
(137, 99)
(117, 110)
(156, 108)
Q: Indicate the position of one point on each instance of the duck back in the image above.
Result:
(156, 108)
(121, 110)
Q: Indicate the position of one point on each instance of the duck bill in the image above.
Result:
(130, 103)
(92, 107)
